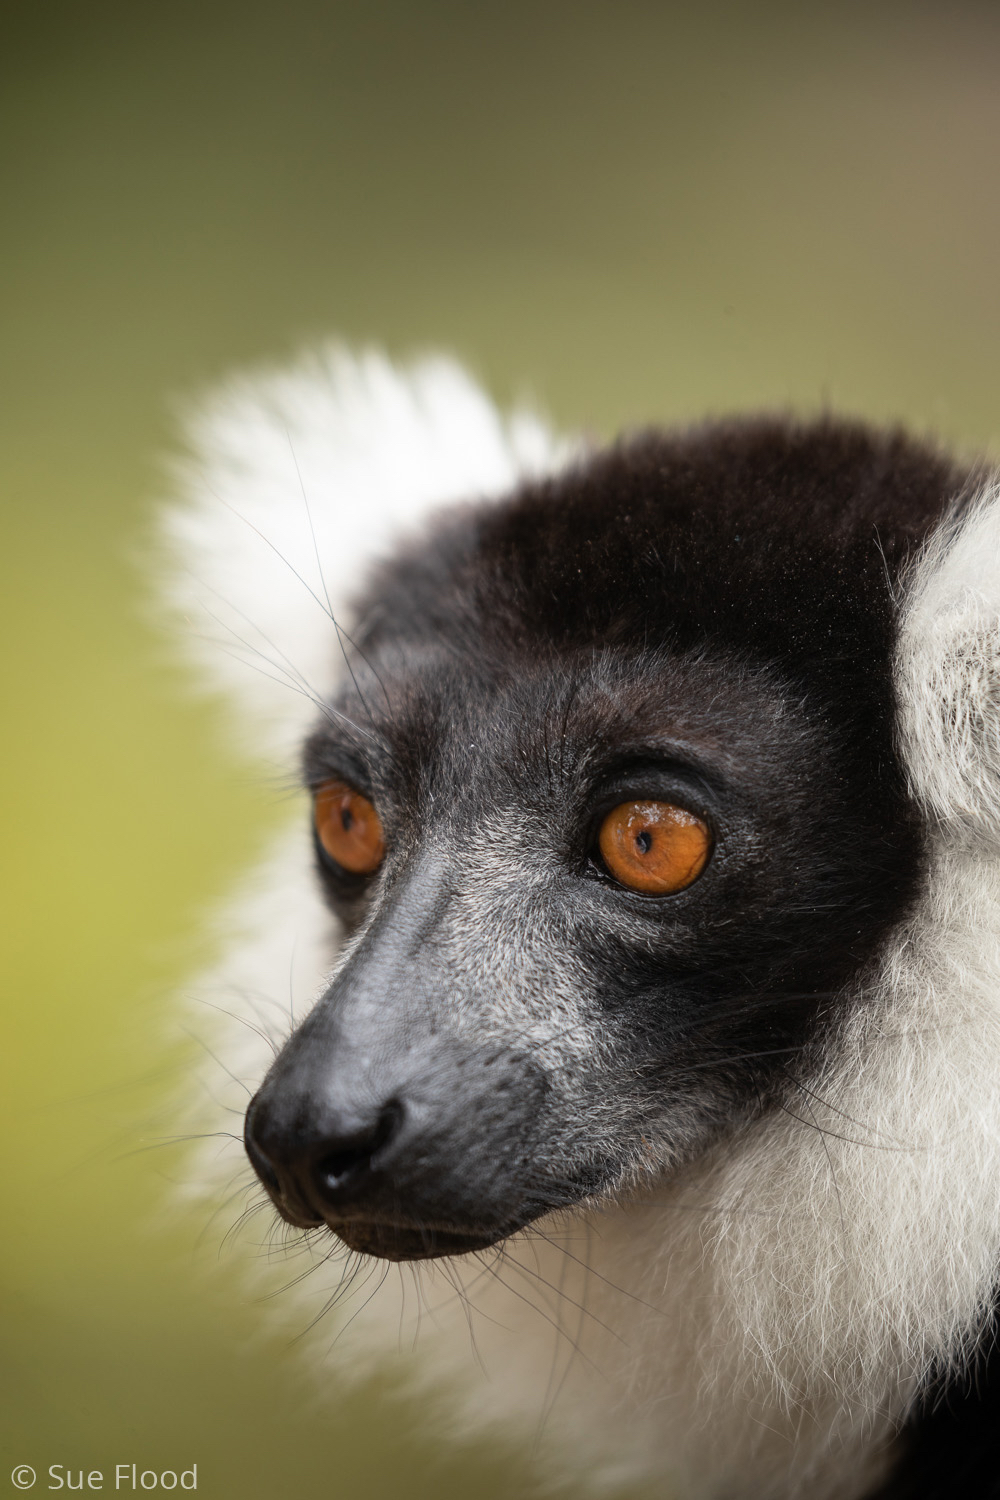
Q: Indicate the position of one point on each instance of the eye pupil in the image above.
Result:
(644, 841)
(346, 817)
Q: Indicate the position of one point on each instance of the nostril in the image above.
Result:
(350, 1162)
(336, 1170)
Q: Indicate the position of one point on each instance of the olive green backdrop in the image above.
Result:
(634, 212)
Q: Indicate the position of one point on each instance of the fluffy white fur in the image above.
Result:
(950, 670)
(324, 463)
(759, 1325)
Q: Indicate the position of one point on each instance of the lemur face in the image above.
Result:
(650, 890)
(611, 809)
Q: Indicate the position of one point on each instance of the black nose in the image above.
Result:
(318, 1160)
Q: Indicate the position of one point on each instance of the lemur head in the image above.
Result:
(612, 806)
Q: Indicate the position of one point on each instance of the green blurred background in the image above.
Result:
(630, 212)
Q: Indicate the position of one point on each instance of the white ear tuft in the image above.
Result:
(948, 669)
(296, 481)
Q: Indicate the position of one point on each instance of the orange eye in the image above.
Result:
(349, 828)
(654, 847)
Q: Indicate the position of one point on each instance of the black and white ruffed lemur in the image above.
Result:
(635, 978)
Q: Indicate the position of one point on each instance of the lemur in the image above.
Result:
(637, 966)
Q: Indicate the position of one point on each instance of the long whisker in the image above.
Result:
(534, 1230)
(216, 1059)
(833, 1171)
(322, 578)
(277, 552)
(242, 1020)
(541, 1313)
(290, 676)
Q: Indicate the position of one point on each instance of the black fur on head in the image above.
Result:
(707, 620)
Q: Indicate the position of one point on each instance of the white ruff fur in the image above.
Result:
(758, 1326)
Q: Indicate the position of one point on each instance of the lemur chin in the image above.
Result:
(644, 934)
